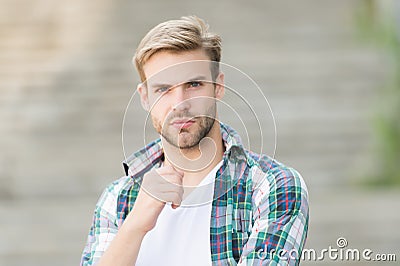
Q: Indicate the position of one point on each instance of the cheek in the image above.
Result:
(160, 110)
(159, 102)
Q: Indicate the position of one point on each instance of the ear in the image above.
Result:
(219, 86)
(144, 97)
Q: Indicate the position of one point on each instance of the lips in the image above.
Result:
(182, 123)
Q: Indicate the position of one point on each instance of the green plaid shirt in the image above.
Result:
(259, 213)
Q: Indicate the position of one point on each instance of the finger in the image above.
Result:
(173, 197)
(170, 167)
(157, 187)
(169, 178)
(167, 172)
(169, 188)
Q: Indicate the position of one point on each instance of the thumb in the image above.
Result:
(176, 169)
(175, 206)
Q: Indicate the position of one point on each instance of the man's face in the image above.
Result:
(181, 97)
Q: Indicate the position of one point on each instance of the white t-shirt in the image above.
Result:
(181, 236)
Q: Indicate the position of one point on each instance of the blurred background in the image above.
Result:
(330, 70)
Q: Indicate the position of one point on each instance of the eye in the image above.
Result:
(194, 84)
(162, 90)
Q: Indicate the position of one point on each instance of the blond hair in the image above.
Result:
(185, 34)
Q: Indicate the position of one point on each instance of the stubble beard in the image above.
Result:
(186, 138)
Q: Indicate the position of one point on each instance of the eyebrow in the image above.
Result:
(160, 85)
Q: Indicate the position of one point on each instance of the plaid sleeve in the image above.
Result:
(104, 226)
(280, 219)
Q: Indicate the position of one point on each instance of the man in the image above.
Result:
(195, 196)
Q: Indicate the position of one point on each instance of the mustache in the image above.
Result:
(184, 114)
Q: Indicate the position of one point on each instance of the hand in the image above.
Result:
(158, 187)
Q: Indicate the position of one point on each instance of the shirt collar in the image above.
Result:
(152, 154)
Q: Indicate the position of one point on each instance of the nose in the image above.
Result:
(180, 98)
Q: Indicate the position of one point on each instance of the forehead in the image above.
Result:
(175, 67)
